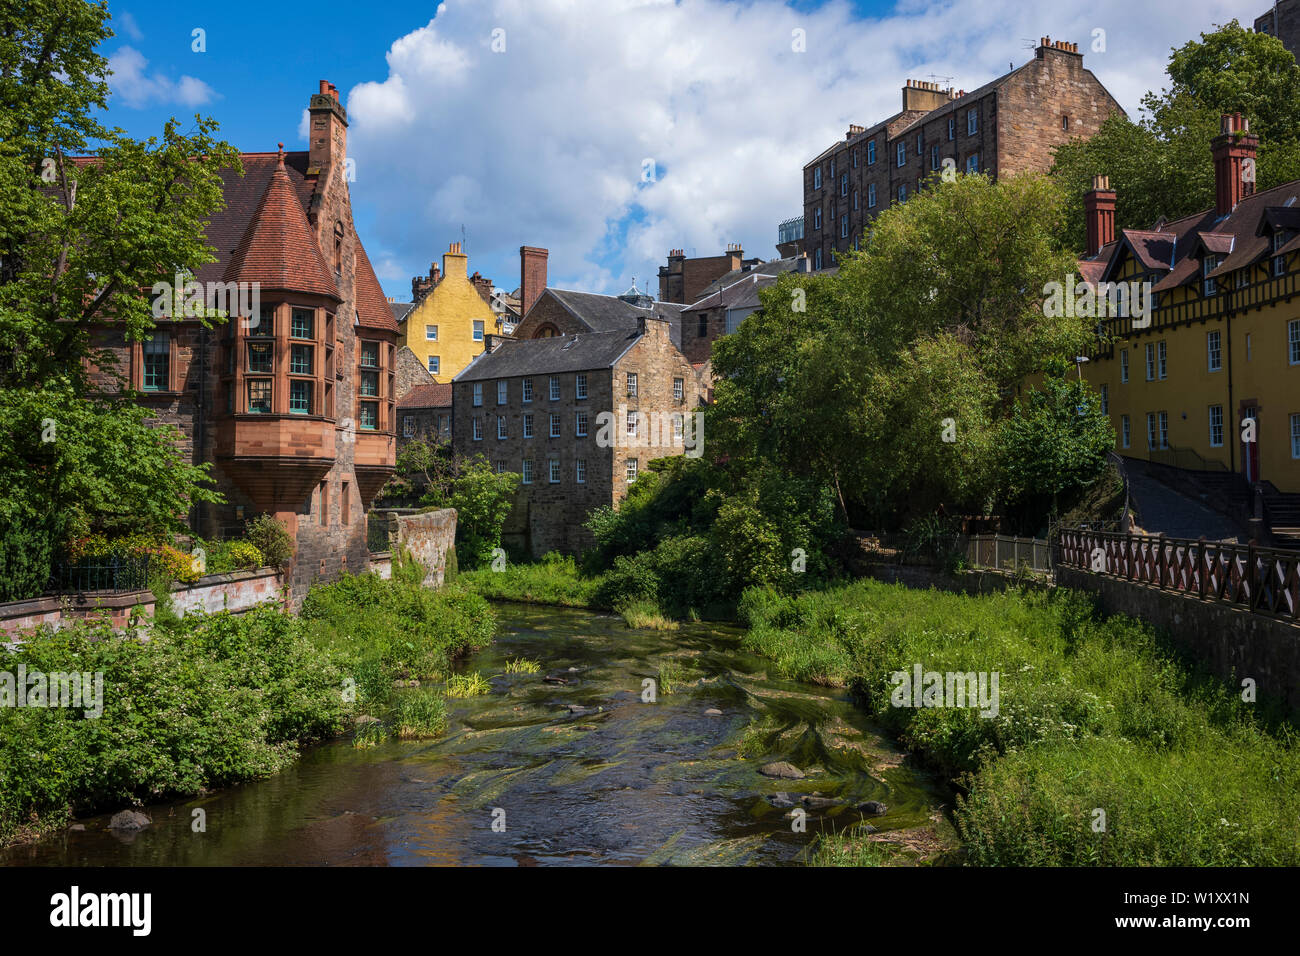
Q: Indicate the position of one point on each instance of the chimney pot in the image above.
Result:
(1232, 149)
(1099, 213)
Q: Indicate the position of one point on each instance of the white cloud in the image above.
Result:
(126, 24)
(543, 144)
(132, 83)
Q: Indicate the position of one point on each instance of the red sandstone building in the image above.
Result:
(293, 407)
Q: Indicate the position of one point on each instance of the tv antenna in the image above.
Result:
(943, 81)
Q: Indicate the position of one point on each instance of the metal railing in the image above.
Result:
(377, 532)
(116, 573)
(1260, 580)
(1004, 552)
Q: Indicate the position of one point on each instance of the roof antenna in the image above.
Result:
(464, 244)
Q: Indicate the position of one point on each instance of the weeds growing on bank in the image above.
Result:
(1094, 715)
(646, 614)
(554, 580)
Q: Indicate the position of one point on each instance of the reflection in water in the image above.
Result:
(571, 760)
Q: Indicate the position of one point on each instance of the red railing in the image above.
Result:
(1260, 580)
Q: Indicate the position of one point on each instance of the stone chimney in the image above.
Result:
(532, 276)
(328, 129)
(421, 285)
(736, 254)
(484, 287)
(923, 95)
(455, 262)
(1046, 44)
(1234, 162)
(1099, 211)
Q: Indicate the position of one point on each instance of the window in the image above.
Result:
(526, 471)
(580, 471)
(844, 184)
(259, 356)
(1214, 354)
(844, 226)
(501, 427)
(555, 388)
(934, 157)
(1216, 426)
(431, 333)
(920, 145)
(580, 385)
(817, 218)
(528, 425)
(902, 192)
(702, 329)
(259, 396)
(631, 424)
(871, 152)
(902, 154)
(832, 169)
(631, 470)
(265, 322)
(679, 427)
(855, 159)
(1293, 341)
(408, 426)
(871, 195)
(817, 178)
(555, 425)
(1162, 359)
(855, 201)
(1065, 122)
(817, 258)
(299, 397)
(1164, 429)
(1125, 431)
(1279, 262)
(300, 357)
(1105, 399)
(503, 391)
(679, 389)
(972, 164)
(370, 354)
(1151, 431)
(501, 467)
(528, 390)
(952, 127)
(477, 428)
(580, 424)
(324, 498)
(345, 503)
(1123, 366)
(478, 330)
(478, 394)
(301, 325)
(435, 363)
(972, 121)
(553, 469)
(157, 363)
(369, 383)
(1151, 362)
(370, 415)
(1295, 436)
(631, 384)
(1209, 286)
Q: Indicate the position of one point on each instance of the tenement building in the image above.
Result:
(1206, 382)
(291, 403)
(450, 313)
(578, 415)
(1010, 125)
(1282, 20)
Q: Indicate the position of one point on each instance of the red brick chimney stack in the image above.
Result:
(328, 133)
(1234, 162)
(484, 286)
(1099, 210)
(532, 276)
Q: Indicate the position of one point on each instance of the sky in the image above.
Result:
(608, 131)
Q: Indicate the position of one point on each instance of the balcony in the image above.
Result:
(374, 461)
(276, 459)
(790, 231)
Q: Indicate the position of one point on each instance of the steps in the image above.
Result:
(1283, 512)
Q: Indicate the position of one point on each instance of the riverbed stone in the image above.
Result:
(128, 820)
(713, 712)
(782, 801)
(782, 770)
(815, 802)
(873, 808)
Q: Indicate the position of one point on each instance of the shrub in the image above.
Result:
(26, 555)
(245, 555)
(271, 539)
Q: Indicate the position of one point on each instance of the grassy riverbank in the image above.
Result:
(1105, 750)
(212, 700)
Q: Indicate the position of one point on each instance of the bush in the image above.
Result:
(26, 555)
(483, 500)
(245, 555)
(271, 539)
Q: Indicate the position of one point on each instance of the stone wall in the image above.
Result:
(427, 537)
(1231, 642)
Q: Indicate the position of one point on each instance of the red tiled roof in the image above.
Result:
(436, 395)
(373, 311)
(278, 249)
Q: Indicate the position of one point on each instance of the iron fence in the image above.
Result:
(377, 531)
(1006, 553)
(115, 573)
(1260, 580)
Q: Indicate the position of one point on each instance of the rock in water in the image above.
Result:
(129, 820)
(713, 712)
(818, 803)
(873, 808)
(781, 801)
(786, 771)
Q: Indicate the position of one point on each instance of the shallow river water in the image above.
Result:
(622, 782)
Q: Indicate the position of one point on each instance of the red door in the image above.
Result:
(1250, 449)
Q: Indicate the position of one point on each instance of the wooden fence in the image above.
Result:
(1261, 580)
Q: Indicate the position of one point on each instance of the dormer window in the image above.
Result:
(1279, 261)
(1209, 286)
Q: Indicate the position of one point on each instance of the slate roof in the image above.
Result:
(586, 351)
(400, 310)
(433, 395)
(772, 267)
(609, 313)
(740, 294)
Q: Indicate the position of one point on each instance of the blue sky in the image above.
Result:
(541, 135)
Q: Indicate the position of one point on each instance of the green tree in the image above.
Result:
(483, 500)
(83, 242)
(1160, 165)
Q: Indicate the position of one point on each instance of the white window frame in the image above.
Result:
(871, 152)
(580, 385)
(844, 184)
(503, 392)
(501, 427)
(817, 177)
(871, 195)
(952, 128)
(528, 425)
(973, 164)
(580, 423)
(435, 364)
(1123, 366)
(679, 389)
(1295, 434)
(477, 428)
(1151, 361)
(631, 468)
(632, 423)
(1125, 431)
(1163, 419)
(555, 425)
(1162, 359)
(431, 333)
(844, 226)
(1293, 341)
(580, 471)
(478, 394)
(408, 426)
(901, 154)
(632, 385)
(526, 391)
(553, 471)
(972, 121)
(554, 388)
(1214, 350)
(526, 471)
(1213, 424)
(478, 329)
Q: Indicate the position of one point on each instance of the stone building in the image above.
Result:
(1282, 20)
(577, 415)
(1007, 126)
(450, 313)
(684, 280)
(292, 404)
(424, 412)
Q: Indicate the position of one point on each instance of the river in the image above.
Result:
(521, 778)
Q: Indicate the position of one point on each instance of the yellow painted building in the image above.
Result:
(1209, 380)
(446, 325)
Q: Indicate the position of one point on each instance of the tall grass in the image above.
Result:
(1095, 715)
(554, 580)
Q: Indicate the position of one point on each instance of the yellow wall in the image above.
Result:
(453, 305)
(1262, 372)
